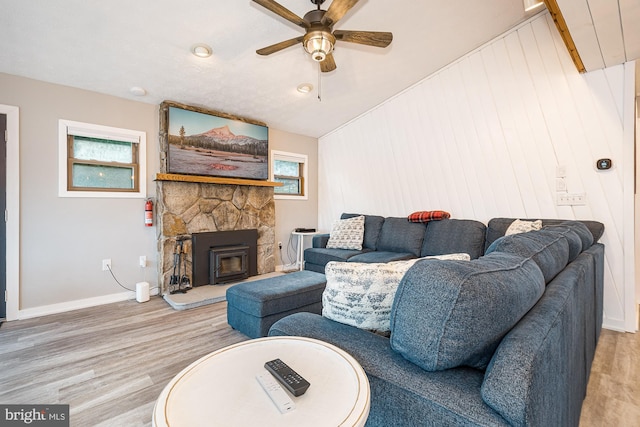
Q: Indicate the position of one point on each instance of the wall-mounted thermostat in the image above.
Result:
(603, 164)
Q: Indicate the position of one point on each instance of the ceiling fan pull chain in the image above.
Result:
(319, 83)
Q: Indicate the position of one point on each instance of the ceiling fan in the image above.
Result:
(320, 38)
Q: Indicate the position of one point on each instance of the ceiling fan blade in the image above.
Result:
(369, 38)
(279, 46)
(337, 10)
(329, 64)
(282, 11)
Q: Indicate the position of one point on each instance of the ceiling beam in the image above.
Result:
(553, 8)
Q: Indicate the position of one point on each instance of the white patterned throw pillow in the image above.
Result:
(520, 226)
(361, 294)
(347, 234)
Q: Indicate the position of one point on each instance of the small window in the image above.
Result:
(291, 170)
(101, 161)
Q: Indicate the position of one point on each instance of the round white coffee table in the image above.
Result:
(221, 389)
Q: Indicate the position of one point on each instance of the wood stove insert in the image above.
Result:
(224, 256)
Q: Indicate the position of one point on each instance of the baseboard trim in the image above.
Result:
(45, 310)
(614, 325)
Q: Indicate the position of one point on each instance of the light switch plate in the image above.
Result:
(571, 199)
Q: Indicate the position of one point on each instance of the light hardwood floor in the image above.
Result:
(111, 362)
(613, 395)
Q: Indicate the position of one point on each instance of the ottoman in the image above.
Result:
(252, 307)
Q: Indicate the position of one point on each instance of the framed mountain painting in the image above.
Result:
(208, 143)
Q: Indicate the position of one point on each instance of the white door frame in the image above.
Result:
(637, 205)
(13, 210)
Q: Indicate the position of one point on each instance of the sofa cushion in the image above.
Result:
(361, 294)
(581, 230)
(320, 240)
(372, 227)
(381, 256)
(322, 256)
(347, 234)
(523, 226)
(402, 394)
(400, 235)
(547, 248)
(573, 239)
(454, 236)
(498, 226)
(453, 313)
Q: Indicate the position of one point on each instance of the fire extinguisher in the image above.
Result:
(148, 213)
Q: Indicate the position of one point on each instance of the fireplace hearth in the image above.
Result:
(220, 257)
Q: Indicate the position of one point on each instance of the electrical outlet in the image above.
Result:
(143, 261)
(106, 264)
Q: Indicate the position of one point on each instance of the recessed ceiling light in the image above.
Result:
(305, 88)
(532, 4)
(138, 91)
(201, 50)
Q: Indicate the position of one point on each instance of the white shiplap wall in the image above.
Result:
(482, 138)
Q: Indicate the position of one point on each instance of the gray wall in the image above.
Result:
(63, 240)
(291, 214)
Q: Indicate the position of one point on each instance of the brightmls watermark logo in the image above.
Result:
(34, 415)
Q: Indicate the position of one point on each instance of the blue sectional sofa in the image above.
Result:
(507, 338)
(394, 239)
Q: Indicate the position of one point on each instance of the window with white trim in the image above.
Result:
(290, 169)
(100, 161)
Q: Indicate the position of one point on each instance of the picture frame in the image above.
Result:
(198, 141)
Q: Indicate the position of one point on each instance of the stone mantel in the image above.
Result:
(215, 180)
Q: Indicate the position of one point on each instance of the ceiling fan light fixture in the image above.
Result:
(319, 44)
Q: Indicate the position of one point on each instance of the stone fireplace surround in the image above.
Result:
(184, 208)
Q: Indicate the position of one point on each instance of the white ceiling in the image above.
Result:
(606, 32)
(111, 46)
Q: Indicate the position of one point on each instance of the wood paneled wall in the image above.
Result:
(483, 137)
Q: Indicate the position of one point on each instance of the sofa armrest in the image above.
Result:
(320, 240)
(547, 354)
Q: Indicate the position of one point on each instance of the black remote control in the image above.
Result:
(289, 378)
